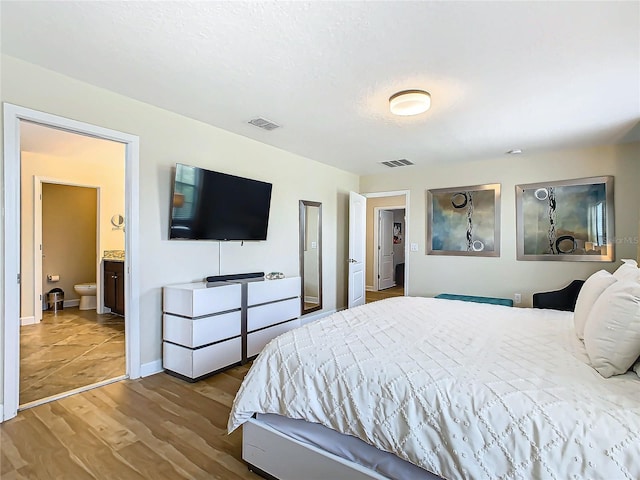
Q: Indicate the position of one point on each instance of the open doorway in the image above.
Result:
(386, 245)
(67, 341)
(13, 275)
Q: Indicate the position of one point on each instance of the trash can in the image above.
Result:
(55, 299)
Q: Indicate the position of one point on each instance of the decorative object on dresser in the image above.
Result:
(211, 326)
(464, 221)
(566, 220)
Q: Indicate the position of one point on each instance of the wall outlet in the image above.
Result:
(517, 298)
(414, 247)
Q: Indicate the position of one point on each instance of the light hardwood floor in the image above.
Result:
(67, 350)
(397, 291)
(158, 427)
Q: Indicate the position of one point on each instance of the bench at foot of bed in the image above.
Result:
(471, 298)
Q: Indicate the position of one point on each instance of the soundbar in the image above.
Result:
(235, 276)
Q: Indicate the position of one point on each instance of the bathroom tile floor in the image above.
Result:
(69, 350)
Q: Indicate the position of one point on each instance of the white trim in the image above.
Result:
(151, 368)
(1, 411)
(39, 294)
(13, 114)
(28, 321)
(71, 303)
(311, 299)
(317, 316)
(370, 288)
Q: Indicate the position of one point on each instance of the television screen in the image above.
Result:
(211, 205)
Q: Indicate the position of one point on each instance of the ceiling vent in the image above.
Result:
(264, 124)
(403, 162)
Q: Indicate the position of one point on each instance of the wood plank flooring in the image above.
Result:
(67, 350)
(397, 291)
(158, 427)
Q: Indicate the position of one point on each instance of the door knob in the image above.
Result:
(351, 260)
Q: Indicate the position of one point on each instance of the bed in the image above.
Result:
(439, 389)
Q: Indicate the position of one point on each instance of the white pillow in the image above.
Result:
(612, 332)
(628, 271)
(589, 293)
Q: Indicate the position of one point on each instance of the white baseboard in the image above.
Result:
(71, 303)
(312, 318)
(28, 321)
(310, 299)
(151, 368)
(370, 288)
(1, 413)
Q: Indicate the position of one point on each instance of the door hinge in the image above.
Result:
(378, 276)
(18, 278)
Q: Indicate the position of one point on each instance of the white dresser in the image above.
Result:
(208, 327)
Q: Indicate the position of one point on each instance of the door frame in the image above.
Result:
(407, 194)
(376, 242)
(13, 115)
(37, 240)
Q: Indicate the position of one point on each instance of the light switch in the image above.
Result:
(414, 247)
(314, 244)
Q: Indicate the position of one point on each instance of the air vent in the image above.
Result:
(264, 124)
(403, 162)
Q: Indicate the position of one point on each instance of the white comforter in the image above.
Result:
(464, 390)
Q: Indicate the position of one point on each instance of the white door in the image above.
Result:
(357, 248)
(385, 250)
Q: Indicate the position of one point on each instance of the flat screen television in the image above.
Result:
(208, 205)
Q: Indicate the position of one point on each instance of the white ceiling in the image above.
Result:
(502, 75)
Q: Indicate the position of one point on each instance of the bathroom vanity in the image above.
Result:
(114, 285)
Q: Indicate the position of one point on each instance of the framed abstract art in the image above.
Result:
(464, 221)
(569, 220)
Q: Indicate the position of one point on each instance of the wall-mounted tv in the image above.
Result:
(208, 205)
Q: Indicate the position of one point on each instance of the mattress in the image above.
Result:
(460, 389)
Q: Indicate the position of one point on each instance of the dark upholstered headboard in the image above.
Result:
(563, 299)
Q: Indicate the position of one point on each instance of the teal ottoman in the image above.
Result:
(470, 298)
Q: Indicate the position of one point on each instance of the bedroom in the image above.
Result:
(35, 79)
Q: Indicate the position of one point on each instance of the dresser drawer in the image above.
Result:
(272, 290)
(256, 341)
(195, 332)
(201, 361)
(199, 299)
(271, 313)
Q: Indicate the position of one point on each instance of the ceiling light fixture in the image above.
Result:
(409, 102)
(515, 151)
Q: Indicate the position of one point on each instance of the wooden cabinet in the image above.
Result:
(114, 286)
(208, 327)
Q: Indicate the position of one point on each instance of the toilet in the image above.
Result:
(87, 292)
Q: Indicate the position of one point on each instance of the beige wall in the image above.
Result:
(504, 276)
(372, 203)
(167, 138)
(68, 236)
(104, 170)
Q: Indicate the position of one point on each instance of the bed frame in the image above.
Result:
(274, 455)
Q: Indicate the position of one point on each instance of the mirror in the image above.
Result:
(311, 255)
(117, 221)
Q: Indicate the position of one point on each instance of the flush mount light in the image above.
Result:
(409, 102)
(515, 151)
